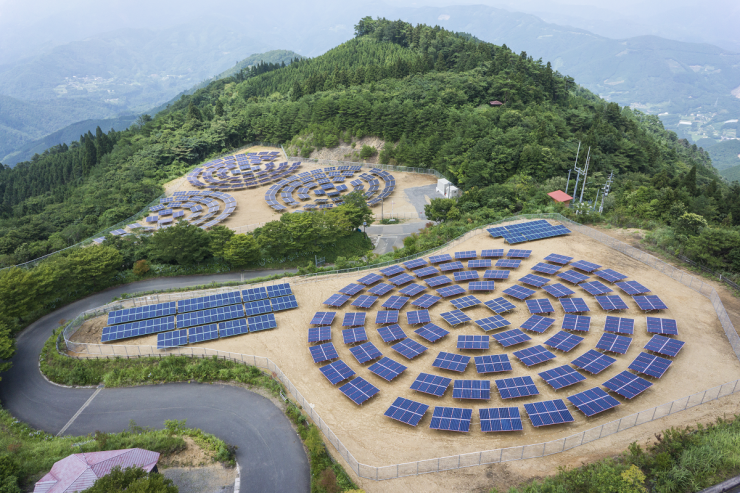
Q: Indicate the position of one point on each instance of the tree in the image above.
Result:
(241, 250)
(7, 347)
(219, 108)
(194, 112)
(18, 292)
(356, 210)
(689, 181)
(93, 266)
(437, 209)
(365, 26)
(183, 243)
(219, 237)
(367, 152)
(690, 224)
(132, 480)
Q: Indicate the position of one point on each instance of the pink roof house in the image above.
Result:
(79, 471)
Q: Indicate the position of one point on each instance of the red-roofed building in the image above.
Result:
(560, 196)
(78, 472)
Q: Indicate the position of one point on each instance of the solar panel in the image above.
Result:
(395, 302)
(406, 411)
(514, 253)
(619, 325)
(336, 300)
(172, 339)
(412, 289)
(277, 290)
(564, 341)
(537, 323)
(409, 348)
(611, 303)
(323, 318)
(401, 279)
(492, 363)
(455, 317)
(481, 286)
(449, 291)
(511, 337)
(438, 281)
(649, 303)
(593, 361)
(206, 302)
(392, 270)
(359, 390)
(451, 419)
(466, 302)
(479, 264)
(436, 259)
(364, 301)
(386, 368)
(495, 253)
(415, 264)
(418, 317)
(558, 259)
(561, 377)
(580, 323)
(662, 326)
(519, 292)
(572, 276)
(262, 322)
(426, 272)
(545, 268)
(138, 328)
(496, 274)
(627, 384)
(574, 305)
(610, 275)
(585, 266)
(540, 306)
(431, 384)
(258, 307)
(354, 335)
(651, 365)
(319, 334)
(533, 280)
(451, 266)
(546, 413)
(387, 317)
(323, 352)
(664, 345)
(204, 317)
(614, 343)
(431, 332)
(365, 352)
(254, 294)
(632, 288)
(466, 255)
(534, 355)
(284, 303)
(451, 361)
(352, 289)
(203, 333)
(380, 289)
(595, 288)
(472, 342)
(426, 300)
(510, 388)
(500, 419)
(593, 401)
(233, 327)
(471, 389)
(508, 263)
(142, 313)
(499, 305)
(370, 279)
(353, 319)
(491, 323)
(391, 333)
(337, 371)
(465, 275)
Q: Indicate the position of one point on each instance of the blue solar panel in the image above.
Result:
(627, 384)
(204, 317)
(510, 388)
(546, 268)
(337, 371)
(426, 272)
(353, 319)
(370, 279)
(662, 326)
(412, 289)
(451, 361)
(451, 419)
(258, 307)
(352, 289)
(649, 303)
(496, 274)
(471, 389)
(466, 255)
(323, 352)
(595, 288)
(491, 323)
(365, 352)
(380, 289)
(387, 317)
(611, 303)
(136, 329)
(481, 286)
(610, 275)
(472, 342)
(619, 325)
(206, 302)
(401, 279)
(508, 263)
(632, 288)
(561, 377)
(494, 253)
(593, 361)
(585, 266)
(317, 334)
(254, 294)
(391, 333)
(492, 363)
(519, 292)
(415, 264)
(172, 339)
(323, 318)
(614, 343)
(558, 290)
(449, 291)
(354, 335)
(558, 259)
(580, 323)
(387, 369)
(431, 384)
(500, 419)
(546, 413)
(409, 348)
(203, 333)
(534, 355)
(499, 305)
(466, 302)
(479, 264)
(538, 324)
(418, 317)
(337, 300)
(574, 305)
(572, 276)
(431, 332)
(436, 259)
(277, 290)
(392, 270)
(142, 313)
(426, 300)
(651, 365)
(455, 317)
(395, 302)
(664, 345)
(406, 411)
(533, 280)
(564, 341)
(233, 327)
(262, 322)
(465, 275)
(540, 306)
(284, 303)
(364, 301)
(511, 337)
(451, 266)
(593, 401)
(438, 281)
(359, 390)
(514, 253)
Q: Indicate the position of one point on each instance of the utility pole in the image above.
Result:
(575, 167)
(568, 183)
(585, 174)
(607, 187)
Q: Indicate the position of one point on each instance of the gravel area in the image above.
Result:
(206, 479)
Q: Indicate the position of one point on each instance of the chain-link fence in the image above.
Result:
(440, 463)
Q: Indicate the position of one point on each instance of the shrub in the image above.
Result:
(141, 267)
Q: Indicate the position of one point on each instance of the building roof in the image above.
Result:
(78, 472)
(560, 196)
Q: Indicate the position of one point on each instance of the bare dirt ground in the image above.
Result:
(252, 209)
(706, 361)
(194, 471)
(345, 152)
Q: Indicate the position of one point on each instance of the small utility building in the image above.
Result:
(560, 196)
(446, 188)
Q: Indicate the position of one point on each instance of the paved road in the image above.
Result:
(418, 196)
(270, 454)
(393, 234)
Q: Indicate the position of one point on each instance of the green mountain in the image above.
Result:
(423, 90)
(731, 174)
(725, 154)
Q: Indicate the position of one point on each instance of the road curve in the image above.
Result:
(270, 454)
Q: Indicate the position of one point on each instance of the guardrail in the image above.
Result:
(462, 460)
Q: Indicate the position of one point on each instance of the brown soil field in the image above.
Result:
(705, 361)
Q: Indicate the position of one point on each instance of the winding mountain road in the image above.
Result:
(270, 453)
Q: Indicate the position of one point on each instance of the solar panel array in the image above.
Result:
(426, 272)
(337, 300)
(632, 288)
(564, 341)
(431, 332)
(137, 329)
(533, 280)
(353, 319)
(619, 325)
(472, 342)
(449, 291)
(431, 384)
(319, 334)
(492, 363)
(574, 305)
(465, 275)
(354, 335)
(508, 263)
(412, 289)
(386, 317)
(546, 413)
(471, 389)
(370, 279)
(614, 343)
(142, 313)
(492, 323)
(572, 276)
(558, 290)
(392, 270)
(511, 337)
(365, 352)
(387, 369)
(580, 323)
(380, 289)
(511, 388)
(492, 253)
(406, 411)
(336, 372)
(496, 274)
(500, 419)
(479, 264)
(528, 231)
(593, 361)
(323, 318)
(650, 364)
(391, 333)
(664, 345)
(518, 292)
(499, 305)
(538, 324)
(359, 390)
(409, 348)
(466, 302)
(451, 419)
(533, 355)
(546, 268)
(436, 259)
(451, 266)
(558, 259)
(540, 306)
(418, 317)
(595, 288)
(627, 384)
(611, 303)
(593, 401)
(203, 317)
(426, 300)
(438, 281)
(481, 286)
(650, 303)
(585, 266)
(662, 326)
(415, 264)
(561, 377)
(451, 361)
(395, 302)
(365, 301)
(610, 275)
(323, 352)
(455, 317)
(401, 279)
(206, 302)
(172, 339)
